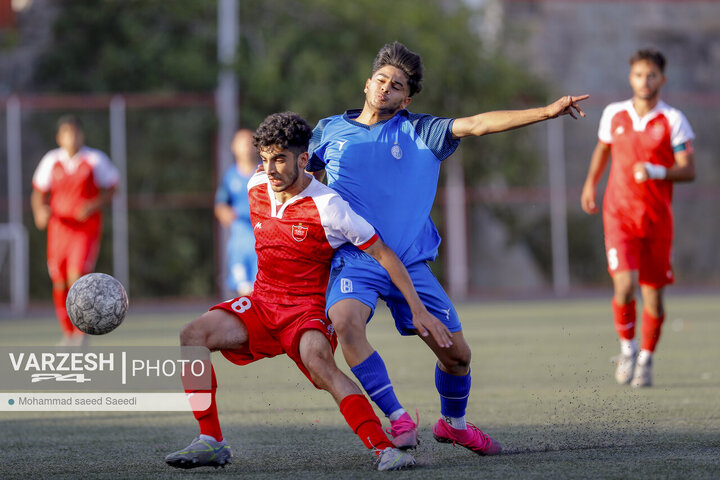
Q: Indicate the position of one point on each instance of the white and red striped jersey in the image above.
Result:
(643, 208)
(73, 181)
(295, 240)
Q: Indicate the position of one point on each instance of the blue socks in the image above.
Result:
(454, 392)
(373, 376)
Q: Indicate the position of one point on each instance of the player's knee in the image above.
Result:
(192, 334)
(624, 290)
(348, 327)
(457, 361)
(321, 370)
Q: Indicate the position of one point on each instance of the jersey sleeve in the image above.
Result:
(316, 148)
(436, 132)
(43, 173)
(681, 131)
(604, 130)
(342, 224)
(105, 172)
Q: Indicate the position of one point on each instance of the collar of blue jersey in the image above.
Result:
(351, 115)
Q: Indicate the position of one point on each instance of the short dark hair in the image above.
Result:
(650, 55)
(397, 55)
(70, 120)
(286, 130)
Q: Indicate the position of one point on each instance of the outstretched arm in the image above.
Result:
(423, 321)
(598, 162)
(501, 121)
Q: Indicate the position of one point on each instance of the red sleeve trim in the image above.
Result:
(369, 243)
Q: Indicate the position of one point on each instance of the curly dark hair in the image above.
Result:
(397, 55)
(651, 55)
(286, 130)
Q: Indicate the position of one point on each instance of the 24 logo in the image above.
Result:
(59, 377)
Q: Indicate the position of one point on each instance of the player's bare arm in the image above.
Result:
(598, 163)
(503, 120)
(424, 322)
(682, 171)
(225, 214)
(40, 208)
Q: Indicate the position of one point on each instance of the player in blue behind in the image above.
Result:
(233, 212)
(385, 161)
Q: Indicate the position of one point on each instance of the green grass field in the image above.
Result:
(542, 386)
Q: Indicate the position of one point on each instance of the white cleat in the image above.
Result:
(643, 375)
(394, 459)
(625, 368)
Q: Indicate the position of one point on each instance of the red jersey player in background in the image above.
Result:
(651, 148)
(298, 224)
(71, 185)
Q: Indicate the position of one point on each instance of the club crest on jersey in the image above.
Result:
(396, 151)
(299, 232)
(657, 132)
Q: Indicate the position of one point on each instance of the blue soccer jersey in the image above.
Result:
(241, 256)
(388, 173)
(233, 191)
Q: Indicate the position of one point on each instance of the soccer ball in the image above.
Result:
(97, 303)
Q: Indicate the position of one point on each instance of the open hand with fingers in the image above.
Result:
(427, 324)
(567, 105)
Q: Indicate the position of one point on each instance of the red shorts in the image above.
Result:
(275, 329)
(649, 256)
(71, 247)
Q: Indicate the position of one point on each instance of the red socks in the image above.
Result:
(59, 299)
(650, 329)
(625, 317)
(208, 419)
(361, 417)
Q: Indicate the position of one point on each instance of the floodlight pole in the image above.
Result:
(558, 208)
(14, 155)
(15, 230)
(227, 111)
(118, 153)
(456, 229)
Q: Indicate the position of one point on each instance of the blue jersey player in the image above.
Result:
(233, 212)
(385, 161)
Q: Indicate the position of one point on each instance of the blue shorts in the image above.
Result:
(357, 275)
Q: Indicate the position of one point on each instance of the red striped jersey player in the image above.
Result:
(71, 185)
(651, 148)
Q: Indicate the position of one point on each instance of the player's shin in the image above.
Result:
(650, 329)
(624, 317)
(361, 418)
(59, 299)
(208, 419)
(373, 376)
(454, 393)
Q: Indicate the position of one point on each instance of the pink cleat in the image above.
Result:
(473, 438)
(404, 432)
